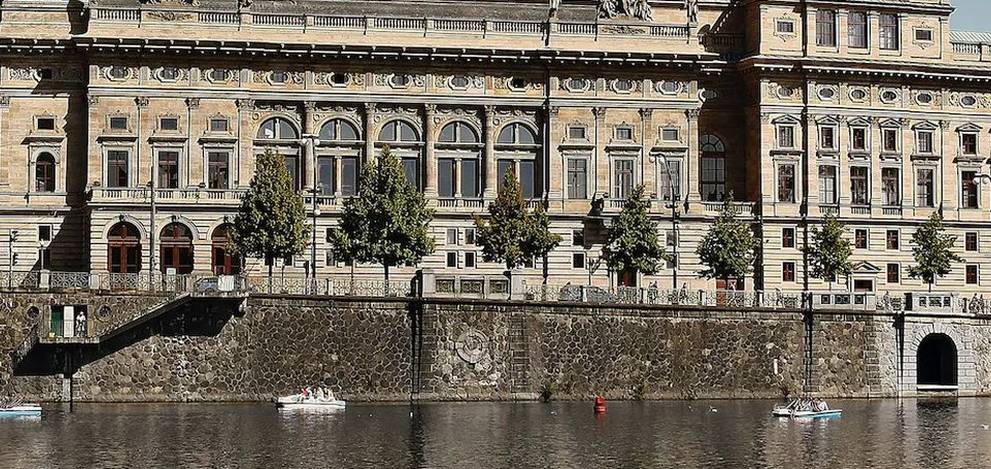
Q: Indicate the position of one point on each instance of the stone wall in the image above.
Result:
(367, 350)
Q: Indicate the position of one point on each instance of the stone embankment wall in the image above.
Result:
(446, 350)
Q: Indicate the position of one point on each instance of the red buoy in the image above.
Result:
(600, 405)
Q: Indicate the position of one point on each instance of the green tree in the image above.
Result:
(539, 240)
(511, 235)
(633, 244)
(829, 251)
(933, 251)
(387, 222)
(729, 247)
(271, 222)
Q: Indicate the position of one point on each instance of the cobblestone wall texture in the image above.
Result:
(478, 350)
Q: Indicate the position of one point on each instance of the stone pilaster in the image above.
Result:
(430, 158)
(491, 165)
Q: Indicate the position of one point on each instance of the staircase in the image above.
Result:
(519, 355)
(139, 319)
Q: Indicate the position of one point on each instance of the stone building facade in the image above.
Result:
(128, 128)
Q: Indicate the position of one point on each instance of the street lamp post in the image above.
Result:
(316, 191)
(151, 235)
(674, 222)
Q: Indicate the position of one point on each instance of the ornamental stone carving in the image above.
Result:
(472, 346)
(639, 9)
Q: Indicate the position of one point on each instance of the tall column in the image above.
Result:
(694, 174)
(243, 175)
(430, 159)
(646, 177)
(600, 162)
(489, 160)
(370, 110)
(192, 104)
(309, 167)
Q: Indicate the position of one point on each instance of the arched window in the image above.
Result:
(458, 166)
(279, 135)
(177, 248)
(398, 131)
(517, 149)
(517, 134)
(713, 175)
(224, 263)
(404, 140)
(458, 132)
(337, 130)
(278, 128)
(124, 249)
(44, 173)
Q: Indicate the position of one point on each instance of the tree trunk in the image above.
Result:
(271, 261)
(545, 270)
(385, 268)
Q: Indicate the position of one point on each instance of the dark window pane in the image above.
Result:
(325, 171)
(445, 177)
(528, 179)
(217, 178)
(349, 176)
(469, 178)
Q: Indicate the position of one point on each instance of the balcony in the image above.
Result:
(745, 209)
(461, 204)
(142, 195)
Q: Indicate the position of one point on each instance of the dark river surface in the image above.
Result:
(738, 434)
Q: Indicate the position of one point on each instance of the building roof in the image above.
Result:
(970, 37)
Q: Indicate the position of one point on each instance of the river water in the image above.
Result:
(716, 434)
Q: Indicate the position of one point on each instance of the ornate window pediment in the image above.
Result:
(925, 125)
(786, 119)
(859, 122)
(969, 128)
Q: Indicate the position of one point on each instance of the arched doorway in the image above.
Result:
(936, 362)
(124, 249)
(177, 248)
(224, 263)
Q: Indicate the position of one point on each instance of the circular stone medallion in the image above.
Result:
(472, 346)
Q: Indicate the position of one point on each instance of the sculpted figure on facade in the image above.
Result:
(639, 9)
(692, 6)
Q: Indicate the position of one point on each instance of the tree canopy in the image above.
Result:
(933, 251)
(633, 243)
(511, 234)
(729, 247)
(829, 251)
(271, 222)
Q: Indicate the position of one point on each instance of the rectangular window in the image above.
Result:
(624, 133)
(713, 182)
(218, 171)
(970, 241)
(470, 236)
(329, 259)
(924, 187)
(858, 139)
(577, 178)
(576, 132)
(528, 178)
(786, 183)
(894, 273)
(326, 167)
(451, 237)
(889, 140)
(44, 232)
(168, 124)
(118, 123)
(622, 178)
(972, 277)
(891, 186)
(412, 171)
(827, 185)
(445, 177)
(469, 178)
(218, 125)
(860, 239)
(787, 237)
(786, 136)
(117, 168)
(924, 141)
(670, 135)
(891, 240)
(788, 272)
(786, 27)
(349, 175)
(859, 187)
(503, 168)
(924, 35)
(889, 31)
(452, 259)
(292, 166)
(968, 189)
(827, 138)
(469, 260)
(578, 237)
(826, 28)
(673, 182)
(857, 22)
(578, 260)
(46, 123)
(968, 144)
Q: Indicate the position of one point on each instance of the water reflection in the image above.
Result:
(724, 434)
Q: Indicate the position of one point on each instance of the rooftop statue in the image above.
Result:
(639, 9)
